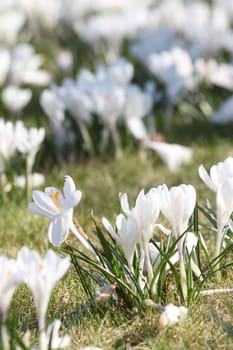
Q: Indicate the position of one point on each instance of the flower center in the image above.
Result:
(55, 198)
(8, 274)
(40, 266)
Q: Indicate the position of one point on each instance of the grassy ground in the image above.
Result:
(101, 181)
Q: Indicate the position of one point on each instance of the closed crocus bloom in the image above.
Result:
(177, 205)
(224, 201)
(218, 173)
(9, 278)
(59, 208)
(126, 235)
(145, 213)
(138, 104)
(41, 275)
(15, 99)
(28, 142)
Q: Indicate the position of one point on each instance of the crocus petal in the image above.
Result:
(125, 203)
(72, 200)
(39, 211)
(58, 230)
(109, 228)
(69, 186)
(206, 178)
(45, 202)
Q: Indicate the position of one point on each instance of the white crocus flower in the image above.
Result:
(138, 105)
(172, 314)
(28, 142)
(34, 180)
(145, 213)
(15, 99)
(224, 201)
(51, 337)
(218, 173)
(41, 275)
(121, 71)
(54, 108)
(177, 206)
(174, 68)
(59, 208)
(9, 278)
(173, 155)
(126, 235)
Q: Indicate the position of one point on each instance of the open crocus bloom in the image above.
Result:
(172, 314)
(41, 275)
(218, 173)
(59, 208)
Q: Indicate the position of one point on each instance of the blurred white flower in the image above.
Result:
(138, 104)
(106, 32)
(11, 22)
(65, 61)
(28, 142)
(172, 314)
(120, 71)
(53, 107)
(172, 154)
(42, 13)
(174, 68)
(41, 275)
(15, 99)
(218, 173)
(214, 73)
(10, 276)
(50, 340)
(25, 67)
(35, 180)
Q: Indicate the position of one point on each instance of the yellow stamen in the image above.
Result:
(8, 275)
(55, 198)
(40, 266)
